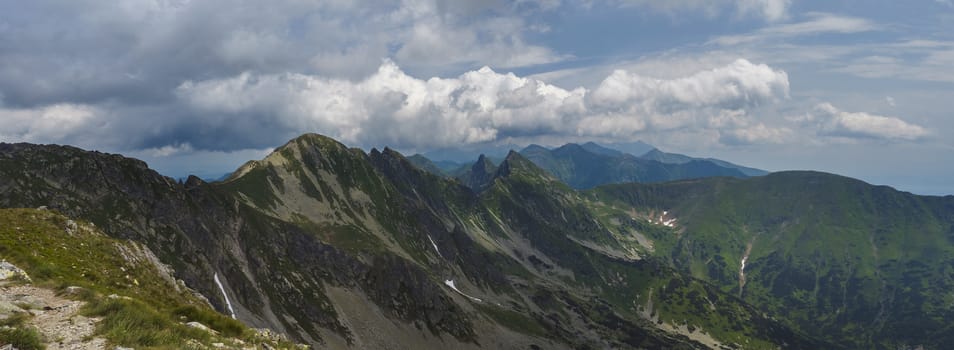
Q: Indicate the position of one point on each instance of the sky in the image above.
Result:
(859, 88)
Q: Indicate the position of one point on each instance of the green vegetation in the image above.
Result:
(21, 338)
(255, 186)
(13, 331)
(834, 257)
(142, 309)
(827, 257)
(134, 323)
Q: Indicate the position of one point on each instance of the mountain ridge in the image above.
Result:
(317, 239)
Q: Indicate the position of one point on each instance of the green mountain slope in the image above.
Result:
(426, 164)
(583, 168)
(861, 265)
(344, 249)
(675, 158)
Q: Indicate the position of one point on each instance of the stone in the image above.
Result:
(198, 325)
(9, 271)
(7, 308)
(73, 290)
(29, 302)
(122, 297)
(71, 227)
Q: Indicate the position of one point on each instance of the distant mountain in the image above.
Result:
(467, 153)
(668, 158)
(589, 166)
(596, 148)
(637, 148)
(675, 158)
(480, 175)
(426, 164)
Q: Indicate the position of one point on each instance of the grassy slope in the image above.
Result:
(547, 212)
(154, 313)
(862, 265)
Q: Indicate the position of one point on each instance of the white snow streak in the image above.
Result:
(450, 283)
(435, 246)
(226, 296)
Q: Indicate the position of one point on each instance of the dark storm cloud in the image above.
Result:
(119, 63)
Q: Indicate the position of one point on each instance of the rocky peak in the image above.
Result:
(480, 175)
(193, 182)
(484, 166)
(515, 163)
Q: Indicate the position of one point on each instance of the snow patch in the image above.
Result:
(224, 295)
(663, 221)
(745, 258)
(450, 283)
(435, 246)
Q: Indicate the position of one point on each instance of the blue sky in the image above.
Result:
(859, 88)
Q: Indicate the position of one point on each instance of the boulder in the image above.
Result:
(7, 309)
(203, 327)
(9, 271)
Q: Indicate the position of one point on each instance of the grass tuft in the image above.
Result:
(214, 320)
(133, 323)
(21, 338)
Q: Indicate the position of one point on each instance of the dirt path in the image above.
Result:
(57, 319)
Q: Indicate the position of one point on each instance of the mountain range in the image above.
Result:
(340, 248)
(590, 164)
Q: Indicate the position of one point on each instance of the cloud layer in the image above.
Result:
(391, 107)
(136, 51)
(171, 78)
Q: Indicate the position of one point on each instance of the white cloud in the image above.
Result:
(54, 123)
(739, 84)
(756, 134)
(818, 23)
(170, 150)
(391, 107)
(769, 10)
(830, 121)
(138, 50)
